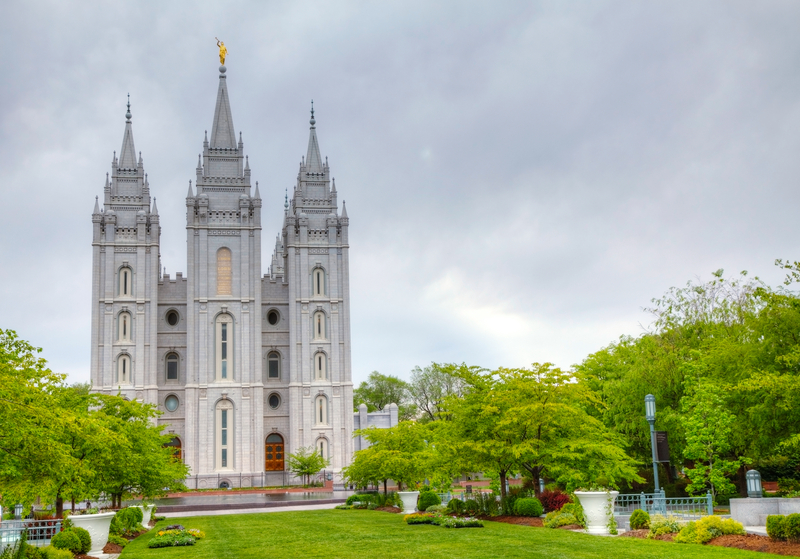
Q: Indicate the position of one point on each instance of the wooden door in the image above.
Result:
(273, 453)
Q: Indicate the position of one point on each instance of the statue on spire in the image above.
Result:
(222, 51)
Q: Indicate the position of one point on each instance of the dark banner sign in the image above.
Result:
(662, 446)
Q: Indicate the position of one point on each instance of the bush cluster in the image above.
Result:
(119, 540)
(419, 518)
(660, 524)
(436, 508)
(784, 528)
(171, 540)
(427, 499)
(442, 520)
(640, 520)
(48, 552)
(708, 528)
(455, 506)
(553, 499)
(571, 513)
(528, 506)
(127, 521)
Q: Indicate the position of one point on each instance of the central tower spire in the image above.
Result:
(223, 135)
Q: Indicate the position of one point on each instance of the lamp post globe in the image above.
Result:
(650, 407)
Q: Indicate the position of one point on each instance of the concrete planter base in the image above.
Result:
(754, 512)
(595, 507)
(97, 525)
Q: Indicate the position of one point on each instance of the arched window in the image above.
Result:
(224, 271)
(224, 347)
(318, 282)
(172, 366)
(124, 369)
(273, 453)
(124, 327)
(320, 366)
(177, 449)
(224, 435)
(323, 447)
(273, 365)
(319, 326)
(125, 282)
(321, 410)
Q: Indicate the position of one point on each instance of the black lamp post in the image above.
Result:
(650, 414)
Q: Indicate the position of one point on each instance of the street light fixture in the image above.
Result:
(753, 484)
(650, 415)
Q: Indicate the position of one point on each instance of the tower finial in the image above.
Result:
(286, 200)
(128, 114)
(313, 122)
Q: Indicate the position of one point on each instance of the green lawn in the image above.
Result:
(335, 534)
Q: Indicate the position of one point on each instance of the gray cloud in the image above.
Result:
(520, 179)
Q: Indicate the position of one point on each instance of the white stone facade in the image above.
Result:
(215, 348)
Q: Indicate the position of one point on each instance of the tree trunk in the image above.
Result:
(385, 488)
(741, 475)
(59, 507)
(503, 485)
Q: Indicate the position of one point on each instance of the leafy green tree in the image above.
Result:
(430, 387)
(306, 462)
(709, 431)
(378, 391)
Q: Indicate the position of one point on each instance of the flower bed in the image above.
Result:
(443, 520)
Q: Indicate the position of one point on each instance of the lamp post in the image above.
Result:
(753, 484)
(650, 414)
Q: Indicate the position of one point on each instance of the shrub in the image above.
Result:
(419, 518)
(427, 499)
(553, 499)
(455, 506)
(115, 527)
(171, 540)
(471, 506)
(358, 497)
(708, 528)
(660, 524)
(343, 507)
(640, 520)
(776, 529)
(51, 552)
(453, 522)
(68, 540)
(86, 539)
(576, 510)
(557, 518)
(529, 506)
(33, 552)
(791, 527)
(391, 499)
(788, 485)
(487, 504)
(129, 520)
(436, 508)
(120, 541)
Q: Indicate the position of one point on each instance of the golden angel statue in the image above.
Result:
(222, 51)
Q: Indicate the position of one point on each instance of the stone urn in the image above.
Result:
(147, 511)
(597, 506)
(97, 525)
(409, 499)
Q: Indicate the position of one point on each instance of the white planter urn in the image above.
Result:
(409, 499)
(97, 525)
(597, 505)
(147, 511)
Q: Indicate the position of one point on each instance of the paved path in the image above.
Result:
(758, 530)
(249, 511)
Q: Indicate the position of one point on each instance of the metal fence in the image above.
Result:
(659, 503)
(39, 531)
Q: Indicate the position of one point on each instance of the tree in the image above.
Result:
(378, 391)
(395, 453)
(306, 462)
(430, 387)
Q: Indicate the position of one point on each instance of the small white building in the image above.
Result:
(246, 368)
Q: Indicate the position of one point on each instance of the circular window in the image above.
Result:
(171, 403)
(273, 317)
(274, 401)
(172, 318)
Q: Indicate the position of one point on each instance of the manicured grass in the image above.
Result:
(340, 534)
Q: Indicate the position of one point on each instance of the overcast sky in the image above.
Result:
(521, 177)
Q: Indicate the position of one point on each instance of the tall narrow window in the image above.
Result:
(175, 445)
(125, 282)
(224, 271)
(321, 410)
(224, 347)
(124, 327)
(172, 366)
(320, 366)
(224, 435)
(322, 448)
(124, 369)
(273, 366)
(318, 282)
(319, 325)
